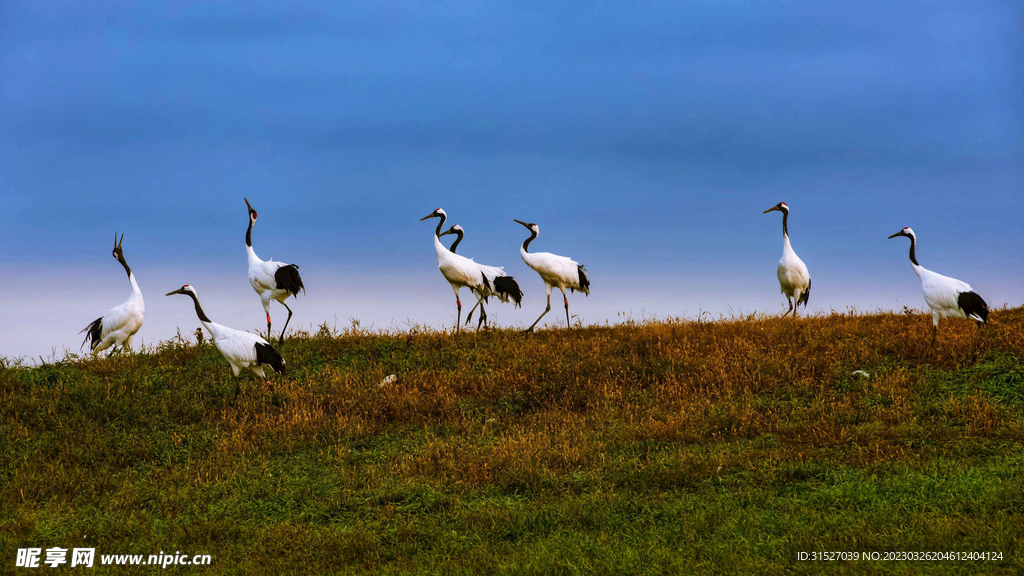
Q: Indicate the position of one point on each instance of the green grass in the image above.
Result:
(724, 447)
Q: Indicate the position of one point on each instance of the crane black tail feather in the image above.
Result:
(487, 289)
(265, 354)
(93, 331)
(584, 281)
(507, 287)
(288, 278)
(973, 306)
(805, 296)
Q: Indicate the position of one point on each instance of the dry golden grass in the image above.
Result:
(666, 446)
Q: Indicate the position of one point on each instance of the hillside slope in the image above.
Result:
(727, 446)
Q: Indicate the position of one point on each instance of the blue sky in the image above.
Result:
(644, 138)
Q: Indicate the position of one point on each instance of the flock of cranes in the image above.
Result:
(486, 281)
(243, 350)
(461, 272)
(946, 297)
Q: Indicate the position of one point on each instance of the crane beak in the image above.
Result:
(431, 215)
(900, 233)
(521, 222)
(446, 232)
(772, 209)
(247, 205)
(178, 291)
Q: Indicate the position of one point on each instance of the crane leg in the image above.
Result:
(458, 319)
(566, 301)
(483, 317)
(483, 313)
(470, 315)
(281, 341)
(790, 307)
(546, 310)
(236, 371)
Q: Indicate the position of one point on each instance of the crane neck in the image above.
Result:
(124, 263)
(455, 244)
(913, 256)
(253, 258)
(440, 248)
(785, 230)
(199, 309)
(136, 292)
(526, 243)
(440, 223)
(248, 234)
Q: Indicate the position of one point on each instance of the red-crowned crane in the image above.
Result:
(271, 280)
(555, 271)
(947, 297)
(240, 349)
(459, 271)
(119, 325)
(794, 279)
(496, 282)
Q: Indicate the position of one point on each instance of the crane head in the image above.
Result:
(252, 213)
(438, 213)
(907, 231)
(186, 289)
(455, 229)
(529, 226)
(781, 207)
(118, 254)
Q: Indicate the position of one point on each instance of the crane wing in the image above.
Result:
(554, 269)
(942, 292)
(125, 316)
(460, 270)
(237, 346)
(263, 275)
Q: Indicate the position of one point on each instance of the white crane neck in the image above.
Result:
(526, 256)
(442, 251)
(253, 258)
(136, 292)
(440, 248)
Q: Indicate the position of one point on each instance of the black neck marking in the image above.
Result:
(913, 257)
(526, 243)
(457, 240)
(439, 224)
(785, 216)
(199, 309)
(125, 264)
(248, 234)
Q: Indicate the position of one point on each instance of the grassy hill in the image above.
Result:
(725, 446)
